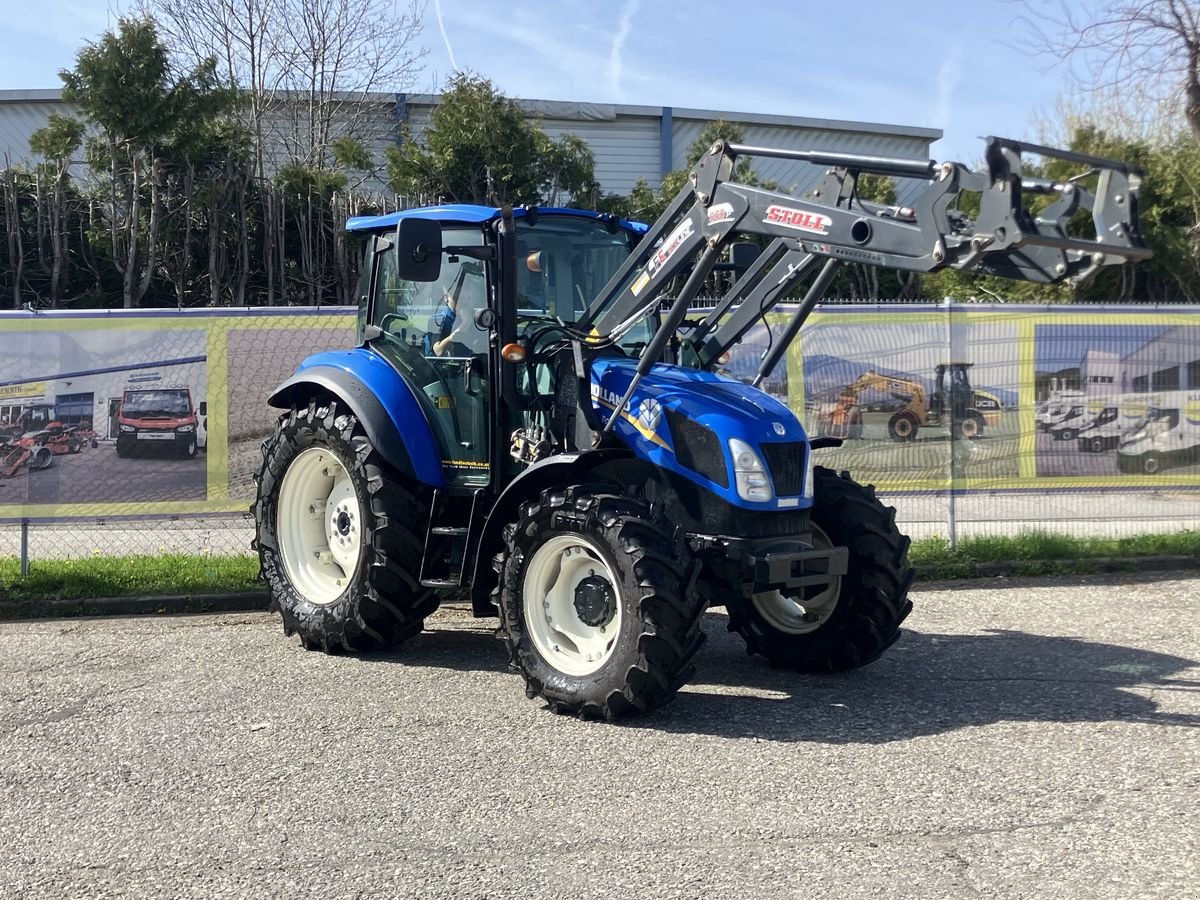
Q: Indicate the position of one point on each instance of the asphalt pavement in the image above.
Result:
(1022, 740)
(98, 475)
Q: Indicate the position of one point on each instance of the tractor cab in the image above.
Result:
(444, 328)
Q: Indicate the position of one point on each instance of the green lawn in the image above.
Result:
(1034, 553)
(118, 576)
(1040, 552)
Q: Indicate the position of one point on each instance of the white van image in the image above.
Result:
(1057, 408)
(1168, 435)
(1074, 420)
(1103, 429)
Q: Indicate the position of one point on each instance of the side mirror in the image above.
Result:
(742, 256)
(419, 250)
(204, 407)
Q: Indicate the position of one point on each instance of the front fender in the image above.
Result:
(563, 469)
(385, 404)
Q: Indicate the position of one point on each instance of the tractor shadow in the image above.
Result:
(924, 685)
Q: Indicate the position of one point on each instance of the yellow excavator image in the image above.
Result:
(953, 403)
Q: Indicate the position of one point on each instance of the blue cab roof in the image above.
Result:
(471, 214)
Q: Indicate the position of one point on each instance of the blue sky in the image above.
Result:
(945, 64)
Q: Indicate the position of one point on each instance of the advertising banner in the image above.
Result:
(149, 414)
(144, 414)
(980, 398)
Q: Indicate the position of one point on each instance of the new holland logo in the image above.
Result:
(649, 414)
(610, 398)
(798, 219)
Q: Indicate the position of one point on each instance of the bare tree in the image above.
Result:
(312, 72)
(1146, 50)
(342, 52)
(12, 223)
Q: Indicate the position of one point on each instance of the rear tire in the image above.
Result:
(596, 602)
(41, 458)
(850, 623)
(358, 592)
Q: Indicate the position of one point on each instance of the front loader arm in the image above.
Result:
(1006, 238)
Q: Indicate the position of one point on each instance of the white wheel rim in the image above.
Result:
(556, 572)
(319, 525)
(794, 616)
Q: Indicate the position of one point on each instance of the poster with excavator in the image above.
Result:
(919, 398)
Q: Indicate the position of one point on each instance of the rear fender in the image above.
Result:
(381, 400)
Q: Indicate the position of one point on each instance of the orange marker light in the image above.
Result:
(513, 353)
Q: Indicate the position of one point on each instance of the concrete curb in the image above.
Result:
(255, 601)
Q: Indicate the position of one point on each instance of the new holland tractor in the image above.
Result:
(531, 416)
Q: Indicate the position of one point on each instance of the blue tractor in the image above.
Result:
(531, 415)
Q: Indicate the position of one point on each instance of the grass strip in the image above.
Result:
(1031, 553)
(1042, 552)
(124, 576)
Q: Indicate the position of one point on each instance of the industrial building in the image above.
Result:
(93, 396)
(1169, 362)
(628, 142)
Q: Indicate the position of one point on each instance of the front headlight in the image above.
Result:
(749, 473)
(808, 472)
(184, 429)
(128, 428)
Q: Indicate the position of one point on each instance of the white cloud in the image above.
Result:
(618, 44)
(949, 74)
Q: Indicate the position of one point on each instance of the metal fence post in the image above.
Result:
(24, 547)
(951, 518)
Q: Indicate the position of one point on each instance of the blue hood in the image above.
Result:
(728, 408)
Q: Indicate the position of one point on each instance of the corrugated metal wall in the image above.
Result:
(19, 119)
(626, 140)
(797, 177)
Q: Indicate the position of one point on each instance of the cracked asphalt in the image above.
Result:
(1035, 739)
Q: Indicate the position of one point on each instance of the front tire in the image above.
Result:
(903, 427)
(333, 536)
(969, 428)
(853, 620)
(596, 602)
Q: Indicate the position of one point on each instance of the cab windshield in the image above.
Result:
(563, 262)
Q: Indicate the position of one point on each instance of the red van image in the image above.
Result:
(159, 417)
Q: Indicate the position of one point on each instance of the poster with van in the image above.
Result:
(1117, 400)
(96, 412)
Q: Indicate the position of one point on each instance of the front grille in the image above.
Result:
(786, 463)
(698, 448)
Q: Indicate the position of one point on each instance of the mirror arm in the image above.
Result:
(483, 253)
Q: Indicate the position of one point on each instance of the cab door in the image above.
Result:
(430, 334)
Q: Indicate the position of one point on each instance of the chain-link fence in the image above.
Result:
(139, 433)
